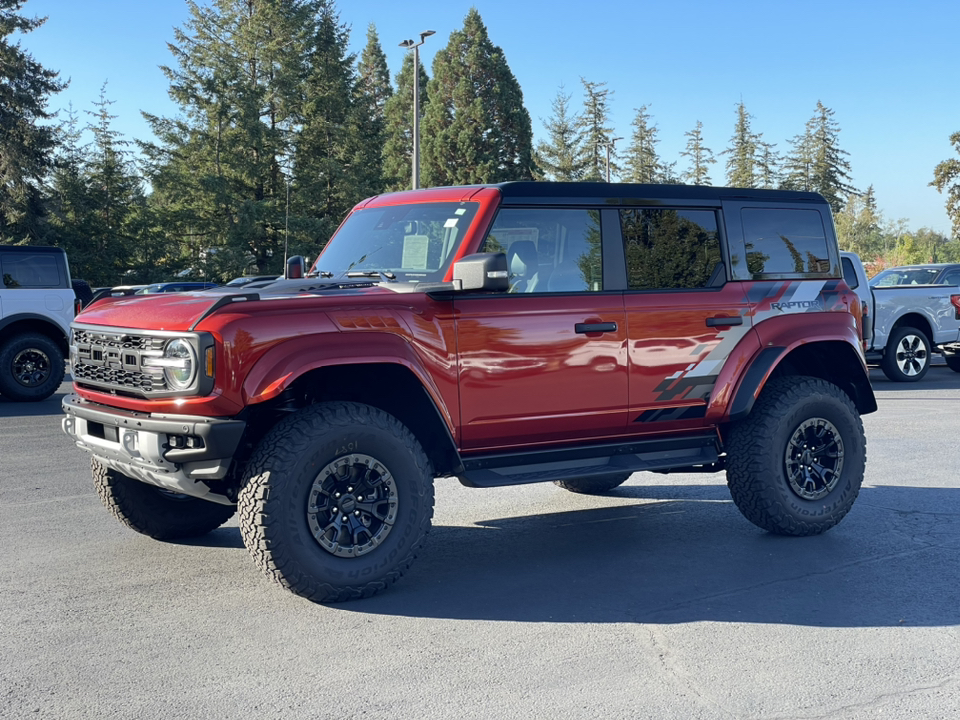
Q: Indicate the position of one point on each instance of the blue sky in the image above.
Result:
(889, 70)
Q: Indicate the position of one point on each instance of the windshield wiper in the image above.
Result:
(372, 274)
(320, 273)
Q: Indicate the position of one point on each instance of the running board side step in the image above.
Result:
(692, 453)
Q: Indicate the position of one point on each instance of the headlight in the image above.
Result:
(179, 363)
(180, 373)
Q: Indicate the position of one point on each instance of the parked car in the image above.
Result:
(37, 303)
(905, 320)
(248, 279)
(172, 287)
(927, 274)
(115, 291)
(504, 334)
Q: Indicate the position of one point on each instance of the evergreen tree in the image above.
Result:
(946, 178)
(26, 145)
(561, 155)
(643, 165)
(742, 152)
(218, 168)
(699, 156)
(373, 93)
(475, 127)
(817, 162)
(595, 132)
(859, 225)
(334, 148)
(767, 165)
(398, 114)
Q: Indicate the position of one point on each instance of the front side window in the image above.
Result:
(405, 242)
(784, 242)
(31, 271)
(671, 249)
(549, 249)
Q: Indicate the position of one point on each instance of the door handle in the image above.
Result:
(601, 327)
(724, 321)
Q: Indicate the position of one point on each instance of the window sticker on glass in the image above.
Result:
(451, 222)
(415, 249)
(459, 211)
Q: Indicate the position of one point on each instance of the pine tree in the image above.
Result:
(817, 162)
(26, 144)
(946, 178)
(859, 225)
(398, 114)
(767, 165)
(742, 152)
(643, 165)
(373, 93)
(475, 127)
(699, 156)
(219, 169)
(596, 134)
(561, 155)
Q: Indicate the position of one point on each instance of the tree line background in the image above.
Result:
(281, 130)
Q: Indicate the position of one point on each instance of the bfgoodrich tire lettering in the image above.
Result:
(792, 416)
(336, 501)
(154, 512)
(31, 367)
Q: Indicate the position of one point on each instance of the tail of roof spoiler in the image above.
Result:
(224, 300)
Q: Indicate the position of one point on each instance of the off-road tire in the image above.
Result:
(593, 485)
(899, 368)
(952, 359)
(757, 450)
(156, 513)
(31, 367)
(282, 485)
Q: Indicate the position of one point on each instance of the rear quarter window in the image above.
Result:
(784, 243)
(26, 270)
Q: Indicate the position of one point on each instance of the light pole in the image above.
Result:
(408, 44)
(610, 143)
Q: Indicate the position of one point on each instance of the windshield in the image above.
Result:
(412, 243)
(906, 276)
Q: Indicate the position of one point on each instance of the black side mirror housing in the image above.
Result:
(483, 272)
(296, 267)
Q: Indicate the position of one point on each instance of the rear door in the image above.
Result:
(545, 362)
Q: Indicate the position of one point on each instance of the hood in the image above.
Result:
(180, 312)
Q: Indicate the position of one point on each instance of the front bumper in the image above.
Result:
(179, 453)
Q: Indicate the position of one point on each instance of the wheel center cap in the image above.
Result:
(348, 503)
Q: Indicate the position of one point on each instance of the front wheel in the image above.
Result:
(336, 501)
(907, 356)
(796, 463)
(154, 512)
(31, 367)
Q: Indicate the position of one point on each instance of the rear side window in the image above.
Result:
(849, 273)
(784, 242)
(26, 270)
(671, 249)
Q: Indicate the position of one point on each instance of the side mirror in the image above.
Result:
(296, 267)
(482, 271)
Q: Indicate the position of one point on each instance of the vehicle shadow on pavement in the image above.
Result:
(49, 406)
(895, 560)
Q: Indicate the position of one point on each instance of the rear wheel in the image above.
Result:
(953, 360)
(336, 501)
(154, 512)
(31, 367)
(907, 356)
(593, 485)
(796, 463)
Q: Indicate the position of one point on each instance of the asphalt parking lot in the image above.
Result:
(657, 601)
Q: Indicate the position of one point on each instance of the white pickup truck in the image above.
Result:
(910, 312)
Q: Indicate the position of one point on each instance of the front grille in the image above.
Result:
(113, 361)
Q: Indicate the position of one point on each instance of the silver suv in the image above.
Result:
(37, 305)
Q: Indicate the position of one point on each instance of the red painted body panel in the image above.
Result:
(527, 377)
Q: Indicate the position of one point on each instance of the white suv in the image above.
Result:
(37, 305)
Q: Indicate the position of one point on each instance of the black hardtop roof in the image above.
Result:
(30, 249)
(631, 193)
